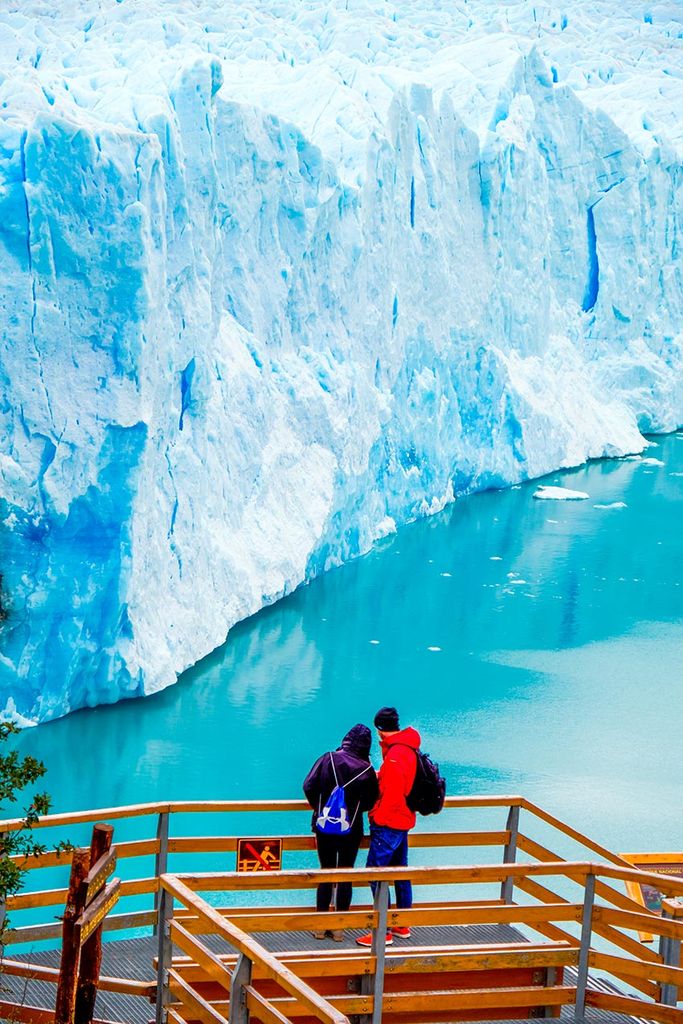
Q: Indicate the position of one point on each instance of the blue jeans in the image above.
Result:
(389, 848)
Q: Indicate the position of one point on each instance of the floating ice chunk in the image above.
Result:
(559, 494)
(612, 504)
(554, 521)
(433, 648)
(495, 558)
(632, 458)
(675, 474)
(374, 642)
(385, 527)
(446, 575)
(651, 462)
(517, 583)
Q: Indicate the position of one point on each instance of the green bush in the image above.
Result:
(16, 773)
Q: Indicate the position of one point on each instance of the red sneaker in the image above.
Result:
(366, 940)
(400, 932)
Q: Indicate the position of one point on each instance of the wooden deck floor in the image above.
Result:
(133, 958)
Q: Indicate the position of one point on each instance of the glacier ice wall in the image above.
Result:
(278, 278)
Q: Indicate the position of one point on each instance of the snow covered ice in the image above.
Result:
(551, 493)
(278, 278)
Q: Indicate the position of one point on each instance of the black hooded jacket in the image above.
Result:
(350, 759)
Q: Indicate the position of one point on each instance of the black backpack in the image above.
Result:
(428, 791)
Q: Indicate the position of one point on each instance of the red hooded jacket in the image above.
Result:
(396, 777)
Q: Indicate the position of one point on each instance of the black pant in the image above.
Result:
(336, 852)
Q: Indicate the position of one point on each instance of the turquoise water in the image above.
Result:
(535, 644)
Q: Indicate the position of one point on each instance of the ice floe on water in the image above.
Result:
(555, 493)
(651, 462)
(611, 504)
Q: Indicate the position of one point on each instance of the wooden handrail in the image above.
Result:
(211, 881)
(641, 922)
(55, 897)
(228, 806)
(672, 907)
(573, 833)
(623, 966)
(281, 919)
(665, 883)
(85, 817)
(632, 1007)
(228, 844)
(39, 972)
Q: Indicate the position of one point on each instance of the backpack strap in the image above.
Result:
(366, 769)
(334, 770)
(360, 774)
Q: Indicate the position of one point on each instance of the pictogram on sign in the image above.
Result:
(259, 854)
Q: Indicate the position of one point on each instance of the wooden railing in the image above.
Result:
(160, 844)
(585, 921)
(656, 976)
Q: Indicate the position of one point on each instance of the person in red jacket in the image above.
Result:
(391, 819)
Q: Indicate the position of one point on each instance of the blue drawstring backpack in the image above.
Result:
(334, 820)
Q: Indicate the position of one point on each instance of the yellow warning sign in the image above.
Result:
(259, 854)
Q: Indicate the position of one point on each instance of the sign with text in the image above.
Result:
(98, 874)
(649, 896)
(95, 912)
(259, 854)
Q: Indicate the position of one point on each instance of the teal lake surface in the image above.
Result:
(536, 645)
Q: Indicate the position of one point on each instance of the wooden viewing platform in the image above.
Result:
(524, 932)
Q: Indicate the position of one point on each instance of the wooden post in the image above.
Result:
(510, 852)
(584, 952)
(165, 955)
(3, 904)
(68, 969)
(91, 951)
(241, 977)
(161, 863)
(670, 951)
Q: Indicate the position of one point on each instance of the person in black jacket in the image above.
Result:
(338, 843)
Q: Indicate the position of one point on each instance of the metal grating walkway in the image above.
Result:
(133, 958)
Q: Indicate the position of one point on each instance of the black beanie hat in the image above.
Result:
(386, 720)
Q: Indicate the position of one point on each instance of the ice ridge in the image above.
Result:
(279, 277)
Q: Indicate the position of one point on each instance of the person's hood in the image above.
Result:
(358, 741)
(408, 737)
